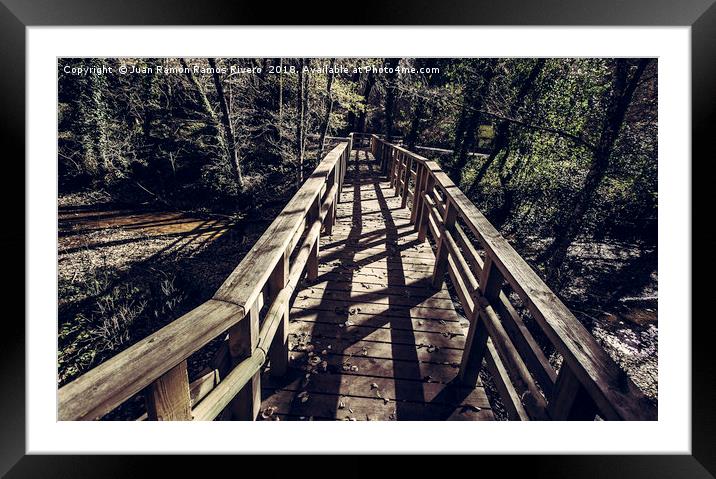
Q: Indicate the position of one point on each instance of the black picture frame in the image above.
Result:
(16, 15)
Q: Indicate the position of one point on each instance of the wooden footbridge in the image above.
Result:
(345, 309)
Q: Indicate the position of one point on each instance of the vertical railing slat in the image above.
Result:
(418, 195)
(406, 180)
(441, 256)
(570, 401)
(312, 265)
(278, 353)
(243, 338)
(425, 213)
(167, 398)
(476, 341)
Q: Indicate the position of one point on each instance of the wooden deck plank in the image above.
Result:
(374, 349)
(383, 333)
(319, 406)
(359, 286)
(370, 338)
(330, 299)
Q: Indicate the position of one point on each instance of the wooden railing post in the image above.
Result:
(398, 171)
(476, 341)
(243, 338)
(399, 185)
(394, 158)
(425, 213)
(570, 401)
(312, 263)
(441, 256)
(338, 171)
(342, 164)
(167, 398)
(418, 195)
(331, 215)
(382, 151)
(278, 353)
(406, 180)
(392, 167)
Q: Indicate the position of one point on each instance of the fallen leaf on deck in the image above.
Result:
(268, 412)
(470, 407)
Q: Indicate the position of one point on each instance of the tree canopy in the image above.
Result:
(554, 149)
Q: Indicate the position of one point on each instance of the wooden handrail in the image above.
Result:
(588, 382)
(159, 360)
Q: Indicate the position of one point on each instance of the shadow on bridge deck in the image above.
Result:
(370, 339)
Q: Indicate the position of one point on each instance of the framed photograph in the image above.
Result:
(242, 239)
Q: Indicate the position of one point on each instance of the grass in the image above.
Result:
(114, 314)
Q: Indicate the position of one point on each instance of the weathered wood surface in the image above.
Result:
(105, 387)
(371, 333)
(246, 281)
(113, 382)
(370, 339)
(168, 398)
(613, 392)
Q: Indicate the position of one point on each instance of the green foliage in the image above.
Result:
(154, 138)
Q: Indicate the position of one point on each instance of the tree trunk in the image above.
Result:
(299, 121)
(280, 100)
(306, 107)
(95, 137)
(352, 119)
(621, 97)
(471, 123)
(390, 99)
(418, 114)
(231, 150)
(502, 138)
(208, 109)
(370, 82)
(329, 109)
(149, 99)
(504, 212)
(460, 127)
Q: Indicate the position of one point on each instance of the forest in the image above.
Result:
(169, 169)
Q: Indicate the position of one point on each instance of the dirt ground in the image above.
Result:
(126, 272)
